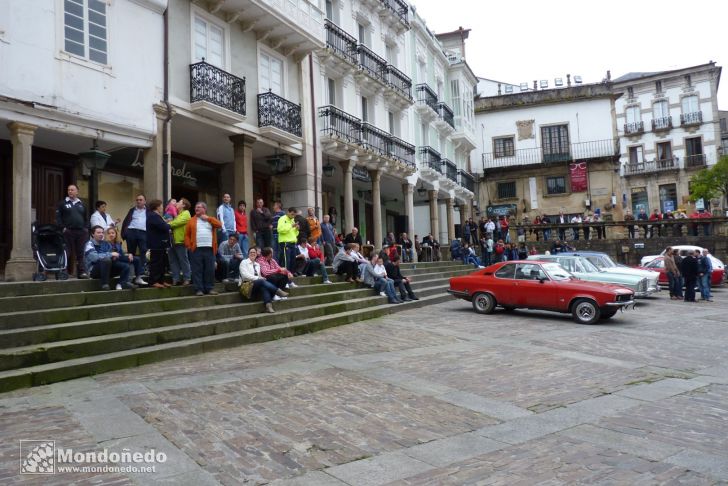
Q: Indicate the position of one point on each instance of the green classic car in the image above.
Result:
(582, 268)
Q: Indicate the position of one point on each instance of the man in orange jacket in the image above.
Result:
(201, 241)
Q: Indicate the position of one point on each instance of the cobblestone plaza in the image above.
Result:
(437, 395)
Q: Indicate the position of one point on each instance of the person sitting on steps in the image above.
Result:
(400, 282)
(103, 262)
(274, 273)
(253, 283)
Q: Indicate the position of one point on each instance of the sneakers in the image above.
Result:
(328, 282)
(213, 292)
(227, 280)
(292, 285)
(128, 286)
(105, 287)
(84, 276)
(140, 281)
(281, 293)
(118, 286)
(382, 294)
(199, 293)
(276, 298)
(186, 283)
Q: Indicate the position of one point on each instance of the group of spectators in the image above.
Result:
(657, 220)
(693, 269)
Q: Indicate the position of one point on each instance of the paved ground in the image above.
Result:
(432, 396)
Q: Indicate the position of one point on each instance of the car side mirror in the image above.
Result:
(542, 279)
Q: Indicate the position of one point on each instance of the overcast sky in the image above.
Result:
(519, 41)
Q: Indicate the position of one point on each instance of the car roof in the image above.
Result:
(583, 253)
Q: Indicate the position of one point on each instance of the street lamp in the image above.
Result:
(93, 161)
(328, 169)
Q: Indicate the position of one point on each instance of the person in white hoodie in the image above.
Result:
(252, 282)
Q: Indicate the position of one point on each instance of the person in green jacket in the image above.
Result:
(179, 263)
(287, 236)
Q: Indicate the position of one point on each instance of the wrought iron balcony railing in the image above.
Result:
(466, 180)
(399, 81)
(402, 151)
(450, 169)
(374, 65)
(426, 96)
(537, 156)
(695, 160)
(399, 8)
(374, 139)
(341, 124)
(278, 112)
(664, 123)
(340, 42)
(695, 118)
(431, 158)
(213, 85)
(647, 166)
(633, 128)
(446, 113)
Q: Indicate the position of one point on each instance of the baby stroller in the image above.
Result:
(49, 249)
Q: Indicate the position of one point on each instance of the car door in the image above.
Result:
(533, 288)
(504, 283)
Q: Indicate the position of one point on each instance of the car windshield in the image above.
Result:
(557, 272)
(602, 261)
(589, 267)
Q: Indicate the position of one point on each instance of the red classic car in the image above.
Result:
(540, 285)
(658, 265)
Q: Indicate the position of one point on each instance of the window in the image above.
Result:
(529, 271)
(503, 147)
(270, 74)
(209, 42)
(693, 146)
(393, 123)
(330, 10)
(664, 151)
(507, 190)
(658, 86)
(690, 104)
(556, 185)
(636, 155)
(660, 109)
(724, 125)
(668, 198)
(630, 92)
(332, 92)
(555, 141)
(633, 114)
(85, 33)
(506, 271)
(391, 54)
(423, 134)
(364, 109)
(639, 200)
(455, 97)
(364, 35)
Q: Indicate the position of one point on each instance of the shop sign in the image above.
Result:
(177, 170)
(360, 173)
(501, 210)
(578, 177)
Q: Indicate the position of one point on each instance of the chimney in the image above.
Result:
(568, 80)
(499, 89)
(609, 75)
(535, 85)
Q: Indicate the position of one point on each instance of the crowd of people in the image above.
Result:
(689, 271)
(262, 250)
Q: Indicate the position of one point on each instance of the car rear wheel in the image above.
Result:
(483, 303)
(609, 313)
(585, 311)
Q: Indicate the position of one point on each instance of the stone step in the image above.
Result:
(222, 306)
(86, 366)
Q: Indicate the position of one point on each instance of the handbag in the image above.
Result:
(246, 289)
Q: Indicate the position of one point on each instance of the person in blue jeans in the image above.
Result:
(705, 269)
(468, 256)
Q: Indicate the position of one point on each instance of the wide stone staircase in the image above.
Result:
(54, 331)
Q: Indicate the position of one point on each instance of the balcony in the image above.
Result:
(464, 135)
(647, 167)
(695, 161)
(450, 170)
(337, 124)
(430, 159)
(466, 180)
(399, 82)
(695, 118)
(446, 121)
(563, 153)
(216, 94)
(664, 123)
(279, 118)
(635, 128)
(372, 64)
(402, 151)
(374, 139)
(426, 102)
(399, 10)
(341, 43)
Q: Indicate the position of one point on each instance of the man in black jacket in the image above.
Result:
(403, 283)
(71, 215)
(353, 237)
(689, 271)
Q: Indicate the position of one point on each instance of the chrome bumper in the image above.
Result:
(458, 293)
(621, 304)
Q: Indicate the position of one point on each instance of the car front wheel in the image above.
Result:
(483, 303)
(585, 311)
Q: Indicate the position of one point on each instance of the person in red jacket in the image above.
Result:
(241, 226)
(309, 259)
(655, 216)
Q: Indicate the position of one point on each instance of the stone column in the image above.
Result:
(376, 176)
(409, 210)
(450, 219)
(154, 177)
(21, 264)
(434, 217)
(347, 167)
(243, 168)
(464, 213)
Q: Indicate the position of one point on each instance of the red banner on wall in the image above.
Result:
(578, 177)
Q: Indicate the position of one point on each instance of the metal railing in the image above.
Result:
(695, 118)
(446, 113)
(450, 169)
(213, 85)
(695, 160)
(402, 151)
(341, 124)
(374, 65)
(399, 8)
(343, 44)
(399, 81)
(648, 166)
(278, 112)
(536, 155)
(426, 96)
(636, 127)
(431, 158)
(664, 123)
(466, 180)
(373, 138)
